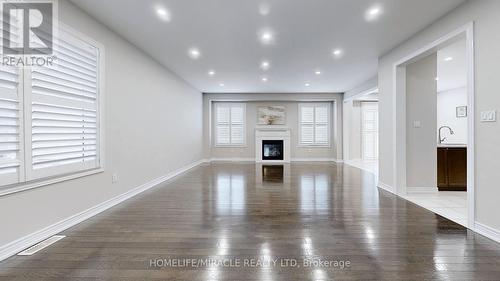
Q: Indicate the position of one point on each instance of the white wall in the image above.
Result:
(290, 101)
(447, 102)
(352, 130)
(153, 126)
(487, 58)
(421, 145)
(366, 86)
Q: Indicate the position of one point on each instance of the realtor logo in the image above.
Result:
(27, 28)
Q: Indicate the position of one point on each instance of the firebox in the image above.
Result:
(272, 150)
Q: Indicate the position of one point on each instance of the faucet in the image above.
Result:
(441, 140)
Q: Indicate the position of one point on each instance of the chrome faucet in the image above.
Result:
(441, 140)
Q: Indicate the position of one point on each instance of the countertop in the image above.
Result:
(452, 145)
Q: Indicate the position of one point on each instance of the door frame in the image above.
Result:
(363, 104)
(399, 113)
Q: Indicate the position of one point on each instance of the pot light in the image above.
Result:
(194, 53)
(221, 84)
(163, 14)
(307, 84)
(266, 37)
(448, 59)
(317, 72)
(264, 9)
(337, 53)
(265, 65)
(264, 79)
(373, 13)
(211, 72)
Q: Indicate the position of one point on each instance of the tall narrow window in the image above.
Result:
(230, 124)
(314, 124)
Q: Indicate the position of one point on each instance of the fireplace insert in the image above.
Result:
(272, 150)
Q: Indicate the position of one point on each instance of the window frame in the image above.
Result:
(328, 107)
(216, 125)
(100, 122)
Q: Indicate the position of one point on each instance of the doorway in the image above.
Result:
(419, 133)
(369, 131)
(362, 130)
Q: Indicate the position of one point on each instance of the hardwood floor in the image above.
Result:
(225, 213)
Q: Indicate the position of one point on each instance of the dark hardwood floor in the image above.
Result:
(225, 213)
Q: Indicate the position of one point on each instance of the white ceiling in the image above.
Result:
(452, 66)
(305, 32)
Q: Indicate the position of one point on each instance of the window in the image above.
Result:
(49, 116)
(230, 124)
(314, 124)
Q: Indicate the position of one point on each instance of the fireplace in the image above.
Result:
(272, 150)
(272, 145)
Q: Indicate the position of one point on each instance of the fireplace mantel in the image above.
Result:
(272, 133)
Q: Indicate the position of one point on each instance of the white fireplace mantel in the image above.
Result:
(272, 133)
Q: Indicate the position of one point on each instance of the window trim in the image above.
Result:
(101, 87)
(216, 124)
(328, 106)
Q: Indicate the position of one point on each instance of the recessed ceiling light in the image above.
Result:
(373, 13)
(264, 9)
(221, 84)
(194, 53)
(317, 72)
(437, 78)
(448, 59)
(163, 13)
(265, 65)
(266, 37)
(211, 72)
(307, 84)
(337, 53)
(264, 79)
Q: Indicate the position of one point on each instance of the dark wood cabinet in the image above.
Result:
(452, 168)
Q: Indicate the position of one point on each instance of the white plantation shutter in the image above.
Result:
(314, 124)
(64, 111)
(11, 142)
(230, 124)
(49, 116)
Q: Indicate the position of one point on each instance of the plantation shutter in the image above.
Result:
(64, 106)
(237, 125)
(314, 124)
(230, 124)
(11, 141)
(321, 122)
(307, 125)
(223, 125)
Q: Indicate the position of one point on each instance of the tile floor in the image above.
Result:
(449, 204)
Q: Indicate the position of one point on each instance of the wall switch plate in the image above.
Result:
(489, 116)
(417, 124)
(114, 178)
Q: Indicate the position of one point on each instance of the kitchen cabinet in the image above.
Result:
(452, 168)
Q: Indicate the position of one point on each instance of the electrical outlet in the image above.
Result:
(489, 116)
(114, 178)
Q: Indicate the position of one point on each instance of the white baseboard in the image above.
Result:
(493, 234)
(22, 243)
(314, 160)
(248, 159)
(385, 187)
(233, 159)
(429, 189)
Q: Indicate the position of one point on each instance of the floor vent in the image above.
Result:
(42, 245)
